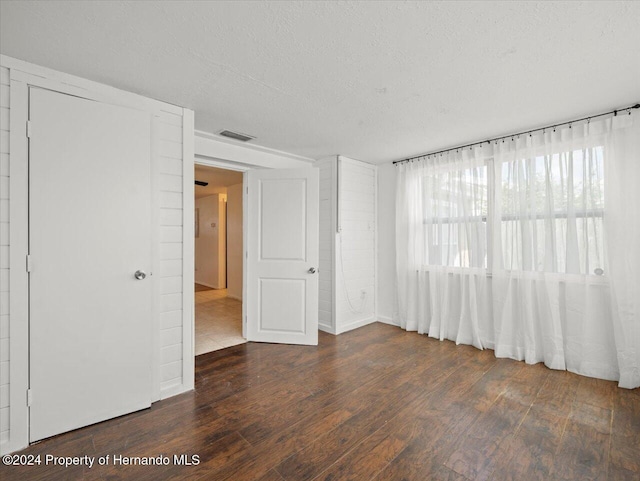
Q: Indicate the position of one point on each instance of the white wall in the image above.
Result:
(4, 255)
(172, 181)
(209, 146)
(327, 229)
(386, 242)
(210, 245)
(173, 303)
(234, 240)
(347, 258)
(355, 257)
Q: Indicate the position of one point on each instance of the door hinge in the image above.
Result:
(247, 190)
(28, 129)
(29, 397)
(29, 266)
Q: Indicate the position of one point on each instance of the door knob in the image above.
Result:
(312, 270)
(140, 275)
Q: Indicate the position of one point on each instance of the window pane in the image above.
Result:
(456, 207)
(552, 211)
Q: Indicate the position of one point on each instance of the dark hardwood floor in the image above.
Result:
(375, 403)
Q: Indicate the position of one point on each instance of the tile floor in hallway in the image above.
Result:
(218, 320)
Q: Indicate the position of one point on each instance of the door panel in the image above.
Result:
(89, 231)
(282, 293)
(276, 316)
(282, 236)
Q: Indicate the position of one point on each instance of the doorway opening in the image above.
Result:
(218, 258)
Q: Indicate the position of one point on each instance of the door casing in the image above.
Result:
(228, 165)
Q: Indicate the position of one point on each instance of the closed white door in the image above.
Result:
(282, 278)
(89, 232)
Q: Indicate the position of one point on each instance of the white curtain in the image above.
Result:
(528, 246)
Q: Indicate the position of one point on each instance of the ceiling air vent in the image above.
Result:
(235, 135)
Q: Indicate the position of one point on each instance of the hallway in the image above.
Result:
(218, 320)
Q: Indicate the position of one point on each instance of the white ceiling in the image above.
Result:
(375, 81)
(219, 180)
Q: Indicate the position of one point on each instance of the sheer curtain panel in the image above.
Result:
(528, 246)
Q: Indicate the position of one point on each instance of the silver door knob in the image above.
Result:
(312, 270)
(140, 275)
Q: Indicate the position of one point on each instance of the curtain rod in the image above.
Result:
(569, 122)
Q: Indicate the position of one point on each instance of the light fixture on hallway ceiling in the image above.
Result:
(200, 182)
(236, 135)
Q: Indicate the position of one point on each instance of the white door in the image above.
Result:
(89, 232)
(282, 278)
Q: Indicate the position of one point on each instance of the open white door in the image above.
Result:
(282, 246)
(89, 234)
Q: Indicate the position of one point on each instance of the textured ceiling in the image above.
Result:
(375, 81)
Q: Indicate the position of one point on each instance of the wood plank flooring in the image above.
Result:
(376, 403)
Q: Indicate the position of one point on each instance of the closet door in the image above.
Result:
(89, 262)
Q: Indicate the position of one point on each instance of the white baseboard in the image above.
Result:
(7, 447)
(388, 320)
(356, 324)
(172, 390)
(326, 328)
(208, 285)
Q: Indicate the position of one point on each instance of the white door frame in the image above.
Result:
(190, 206)
(215, 152)
(22, 76)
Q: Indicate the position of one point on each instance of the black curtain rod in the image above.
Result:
(488, 141)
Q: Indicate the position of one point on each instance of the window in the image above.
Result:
(456, 217)
(549, 211)
(529, 246)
